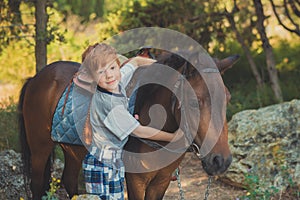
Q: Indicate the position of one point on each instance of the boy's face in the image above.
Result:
(110, 77)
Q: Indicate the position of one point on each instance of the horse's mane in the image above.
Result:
(144, 93)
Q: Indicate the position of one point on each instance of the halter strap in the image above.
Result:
(186, 129)
(179, 82)
(179, 86)
(210, 70)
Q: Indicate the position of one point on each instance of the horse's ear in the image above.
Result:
(145, 52)
(226, 63)
(87, 51)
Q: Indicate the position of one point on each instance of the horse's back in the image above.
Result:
(44, 90)
(56, 75)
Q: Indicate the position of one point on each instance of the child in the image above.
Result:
(111, 123)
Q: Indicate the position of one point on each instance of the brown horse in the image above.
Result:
(40, 95)
(151, 182)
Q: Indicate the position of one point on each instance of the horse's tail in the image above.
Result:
(22, 136)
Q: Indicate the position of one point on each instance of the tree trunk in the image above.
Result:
(41, 18)
(246, 49)
(270, 59)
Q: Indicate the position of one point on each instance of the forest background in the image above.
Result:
(265, 33)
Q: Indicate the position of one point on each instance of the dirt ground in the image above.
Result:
(194, 182)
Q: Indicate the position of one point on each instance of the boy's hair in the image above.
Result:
(88, 50)
(96, 56)
(100, 54)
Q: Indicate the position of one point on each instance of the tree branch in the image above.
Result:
(288, 14)
(296, 30)
(294, 7)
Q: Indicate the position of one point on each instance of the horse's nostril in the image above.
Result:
(228, 161)
(218, 161)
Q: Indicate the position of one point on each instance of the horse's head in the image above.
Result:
(200, 109)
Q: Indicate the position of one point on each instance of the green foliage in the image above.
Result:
(246, 95)
(255, 188)
(197, 23)
(17, 62)
(58, 152)
(54, 186)
(88, 10)
(286, 52)
(256, 185)
(71, 49)
(12, 25)
(8, 126)
(110, 27)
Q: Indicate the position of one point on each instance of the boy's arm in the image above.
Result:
(141, 61)
(128, 69)
(155, 134)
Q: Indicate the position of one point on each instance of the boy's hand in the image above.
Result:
(136, 116)
(178, 135)
(141, 61)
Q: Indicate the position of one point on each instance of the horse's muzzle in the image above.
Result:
(215, 164)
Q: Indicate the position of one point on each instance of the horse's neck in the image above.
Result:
(157, 111)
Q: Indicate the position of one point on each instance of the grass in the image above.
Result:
(9, 125)
(256, 189)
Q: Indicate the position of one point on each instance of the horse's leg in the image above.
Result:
(40, 169)
(136, 186)
(73, 159)
(157, 188)
(47, 173)
(159, 184)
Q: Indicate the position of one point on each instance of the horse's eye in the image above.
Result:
(194, 103)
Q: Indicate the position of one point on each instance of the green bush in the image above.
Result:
(255, 188)
(17, 62)
(259, 189)
(243, 88)
(9, 126)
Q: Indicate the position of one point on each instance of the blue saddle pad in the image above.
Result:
(63, 125)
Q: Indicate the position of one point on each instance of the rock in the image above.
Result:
(58, 167)
(265, 143)
(86, 197)
(12, 181)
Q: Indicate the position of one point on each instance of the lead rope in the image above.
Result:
(181, 192)
(208, 187)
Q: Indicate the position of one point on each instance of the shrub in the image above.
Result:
(9, 125)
